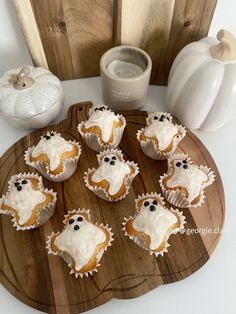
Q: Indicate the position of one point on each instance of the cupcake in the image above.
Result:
(153, 223)
(112, 179)
(103, 129)
(27, 201)
(161, 136)
(53, 156)
(184, 183)
(81, 243)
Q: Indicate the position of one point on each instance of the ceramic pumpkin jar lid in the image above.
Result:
(30, 97)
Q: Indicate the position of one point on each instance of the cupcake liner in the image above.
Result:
(93, 140)
(101, 192)
(69, 165)
(67, 258)
(176, 197)
(44, 214)
(138, 239)
(150, 148)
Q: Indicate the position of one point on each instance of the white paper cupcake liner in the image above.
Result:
(93, 140)
(138, 239)
(150, 148)
(101, 192)
(177, 197)
(43, 215)
(69, 165)
(67, 258)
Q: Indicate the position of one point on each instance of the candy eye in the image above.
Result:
(154, 202)
(114, 157)
(146, 203)
(96, 109)
(24, 181)
(185, 161)
(52, 134)
(106, 159)
(19, 188)
(79, 219)
(17, 183)
(152, 208)
(76, 227)
(71, 221)
(155, 118)
(178, 164)
(185, 166)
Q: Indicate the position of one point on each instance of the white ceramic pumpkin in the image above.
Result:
(30, 97)
(201, 90)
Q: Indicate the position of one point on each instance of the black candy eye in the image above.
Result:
(96, 109)
(154, 202)
(19, 188)
(146, 203)
(76, 227)
(106, 159)
(114, 157)
(79, 219)
(17, 183)
(178, 164)
(185, 166)
(155, 118)
(52, 134)
(152, 208)
(71, 221)
(24, 181)
(184, 161)
(112, 162)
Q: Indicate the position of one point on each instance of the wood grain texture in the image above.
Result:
(162, 28)
(42, 281)
(74, 33)
(70, 36)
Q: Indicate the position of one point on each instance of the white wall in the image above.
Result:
(14, 53)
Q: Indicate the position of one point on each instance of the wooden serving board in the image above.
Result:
(69, 37)
(43, 281)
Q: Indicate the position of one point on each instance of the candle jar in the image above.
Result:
(125, 75)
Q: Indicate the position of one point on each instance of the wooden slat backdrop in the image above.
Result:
(70, 36)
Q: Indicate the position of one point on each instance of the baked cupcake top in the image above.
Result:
(111, 173)
(161, 130)
(53, 145)
(102, 122)
(153, 222)
(82, 240)
(24, 199)
(191, 179)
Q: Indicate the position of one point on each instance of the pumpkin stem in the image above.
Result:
(226, 49)
(22, 80)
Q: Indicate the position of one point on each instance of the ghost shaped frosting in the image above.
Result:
(184, 175)
(81, 242)
(104, 119)
(53, 146)
(153, 223)
(113, 175)
(26, 200)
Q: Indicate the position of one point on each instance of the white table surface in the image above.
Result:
(211, 290)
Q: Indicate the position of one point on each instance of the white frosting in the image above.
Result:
(104, 120)
(80, 244)
(154, 223)
(24, 201)
(114, 174)
(162, 131)
(191, 178)
(53, 148)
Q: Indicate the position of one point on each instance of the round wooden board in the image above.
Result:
(43, 281)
